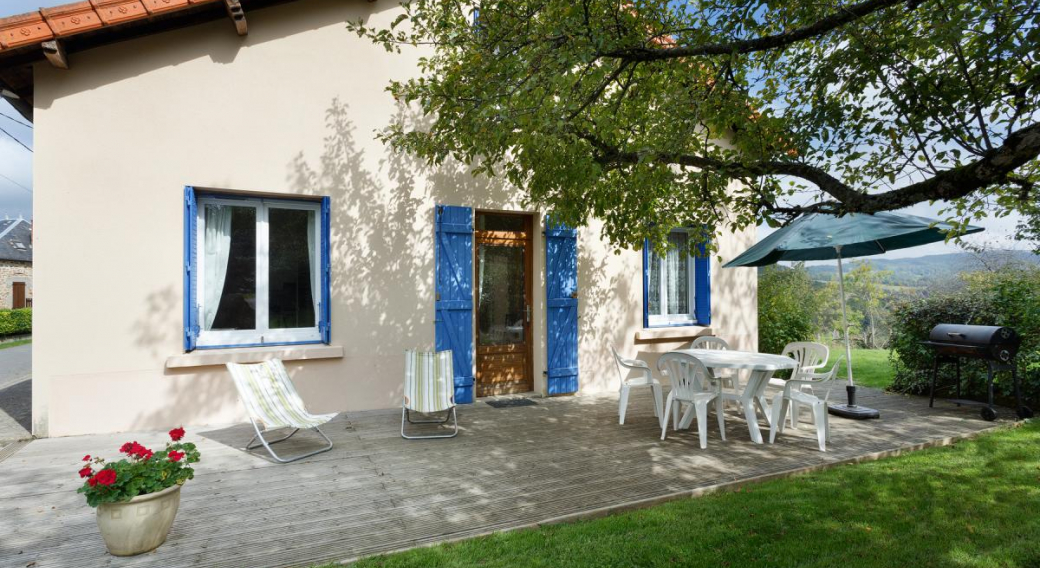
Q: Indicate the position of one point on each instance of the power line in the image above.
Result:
(16, 183)
(15, 120)
(20, 143)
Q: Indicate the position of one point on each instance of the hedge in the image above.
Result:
(1007, 298)
(15, 322)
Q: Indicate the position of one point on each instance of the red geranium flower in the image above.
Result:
(136, 450)
(86, 472)
(176, 434)
(175, 456)
(105, 477)
(86, 458)
(92, 481)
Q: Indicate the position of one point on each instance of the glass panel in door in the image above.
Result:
(502, 303)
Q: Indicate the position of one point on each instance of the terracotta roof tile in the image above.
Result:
(78, 17)
(25, 29)
(69, 19)
(118, 11)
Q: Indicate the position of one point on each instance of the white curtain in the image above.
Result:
(217, 250)
(677, 274)
(312, 228)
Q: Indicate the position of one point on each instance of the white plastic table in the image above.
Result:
(762, 367)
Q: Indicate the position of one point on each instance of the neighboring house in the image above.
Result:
(16, 262)
(206, 196)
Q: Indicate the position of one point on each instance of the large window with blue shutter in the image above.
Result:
(256, 271)
(676, 285)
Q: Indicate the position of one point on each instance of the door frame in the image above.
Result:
(485, 237)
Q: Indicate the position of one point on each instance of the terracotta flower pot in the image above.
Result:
(140, 524)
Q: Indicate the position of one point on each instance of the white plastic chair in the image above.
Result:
(272, 403)
(729, 380)
(793, 393)
(646, 379)
(429, 388)
(693, 384)
(810, 356)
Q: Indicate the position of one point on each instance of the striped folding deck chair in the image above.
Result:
(429, 388)
(271, 400)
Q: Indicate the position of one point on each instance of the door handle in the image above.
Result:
(527, 311)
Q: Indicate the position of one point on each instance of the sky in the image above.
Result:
(16, 172)
(15, 161)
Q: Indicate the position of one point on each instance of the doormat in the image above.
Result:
(511, 402)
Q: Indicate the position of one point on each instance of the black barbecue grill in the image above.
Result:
(996, 345)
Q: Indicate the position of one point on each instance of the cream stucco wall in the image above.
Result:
(289, 109)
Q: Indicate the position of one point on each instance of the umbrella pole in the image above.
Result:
(850, 410)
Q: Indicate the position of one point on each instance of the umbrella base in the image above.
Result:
(853, 412)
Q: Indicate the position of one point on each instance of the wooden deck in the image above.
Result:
(375, 492)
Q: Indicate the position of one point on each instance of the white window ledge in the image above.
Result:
(677, 333)
(207, 357)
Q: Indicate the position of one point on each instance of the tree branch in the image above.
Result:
(765, 43)
(994, 167)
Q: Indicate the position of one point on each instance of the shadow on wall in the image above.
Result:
(383, 274)
(116, 63)
(382, 252)
(606, 314)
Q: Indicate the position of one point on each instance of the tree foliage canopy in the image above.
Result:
(651, 114)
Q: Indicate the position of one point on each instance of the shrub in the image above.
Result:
(786, 307)
(15, 322)
(1009, 298)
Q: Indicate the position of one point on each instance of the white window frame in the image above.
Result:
(665, 320)
(263, 334)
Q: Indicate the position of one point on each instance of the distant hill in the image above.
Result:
(925, 270)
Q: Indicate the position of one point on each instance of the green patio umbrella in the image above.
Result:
(819, 236)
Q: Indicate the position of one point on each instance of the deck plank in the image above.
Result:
(376, 492)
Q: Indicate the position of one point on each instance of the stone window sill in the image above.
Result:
(679, 333)
(209, 357)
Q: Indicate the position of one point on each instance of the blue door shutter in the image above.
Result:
(702, 290)
(646, 282)
(454, 294)
(325, 305)
(191, 291)
(561, 288)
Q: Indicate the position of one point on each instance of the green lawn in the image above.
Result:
(15, 343)
(970, 505)
(870, 367)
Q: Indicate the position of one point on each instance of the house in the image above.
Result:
(16, 258)
(210, 189)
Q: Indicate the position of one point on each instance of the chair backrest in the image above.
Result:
(688, 375)
(268, 394)
(826, 377)
(810, 356)
(709, 342)
(429, 383)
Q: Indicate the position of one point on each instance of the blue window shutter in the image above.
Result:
(646, 282)
(702, 283)
(191, 291)
(325, 307)
(561, 287)
(454, 294)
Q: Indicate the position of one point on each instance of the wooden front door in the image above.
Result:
(18, 295)
(502, 251)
